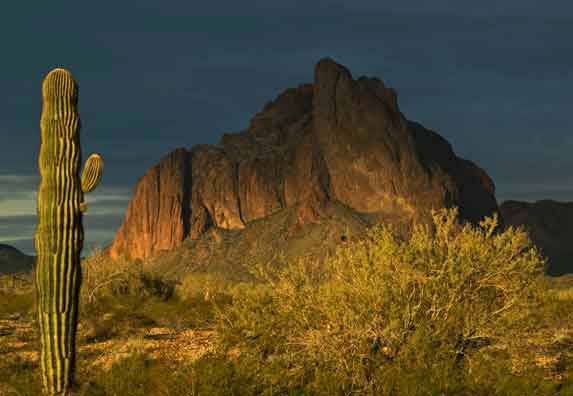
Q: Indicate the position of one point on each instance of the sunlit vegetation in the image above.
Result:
(448, 309)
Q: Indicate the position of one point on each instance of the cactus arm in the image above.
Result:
(91, 176)
(59, 234)
(92, 172)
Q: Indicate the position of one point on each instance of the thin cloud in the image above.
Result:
(18, 219)
(13, 239)
(16, 188)
(19, 196)
(18, 179)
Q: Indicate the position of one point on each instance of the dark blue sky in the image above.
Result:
(495, 78)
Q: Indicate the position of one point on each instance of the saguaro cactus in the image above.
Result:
(59, 233)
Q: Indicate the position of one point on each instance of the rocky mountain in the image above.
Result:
(338, 141)
(550, 226)
(13, 260)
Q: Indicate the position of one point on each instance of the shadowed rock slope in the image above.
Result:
(230, 254)
(13, 260)
(550, 226)
(338, 142)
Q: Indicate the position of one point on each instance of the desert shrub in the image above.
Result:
(98, 329)
(138, 374)
(20, 378)
(202, 286)
(104, 277)
(153, 285)
(144, 285)
(15, 283)
(178, 314)
(214, 375)
(17, 303)
(388, 308)
(127, 377)
(100, 275)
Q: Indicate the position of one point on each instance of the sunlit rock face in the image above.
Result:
(338, 138)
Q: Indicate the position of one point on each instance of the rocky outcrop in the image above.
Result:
(157, 217)
(381, 162)
(550, 226)
(338, 139)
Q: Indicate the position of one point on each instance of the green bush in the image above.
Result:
(17, 303)
(104, 277)
(202, 286)
(101, 276)
(387, 308)
(214, 375)
(20, 378)
(153, 285)
(127, 377)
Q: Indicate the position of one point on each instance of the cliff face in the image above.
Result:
(157, 217)
(339, 138)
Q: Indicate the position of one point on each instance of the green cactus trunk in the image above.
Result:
(59, 233)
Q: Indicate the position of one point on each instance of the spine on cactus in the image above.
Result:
(59, 233)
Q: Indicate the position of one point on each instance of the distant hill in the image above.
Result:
(13, 260)
(550, 226)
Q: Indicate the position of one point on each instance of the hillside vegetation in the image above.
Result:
(444, 310)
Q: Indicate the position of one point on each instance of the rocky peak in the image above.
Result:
(337, 139)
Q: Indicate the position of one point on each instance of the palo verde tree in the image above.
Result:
(59, 233)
